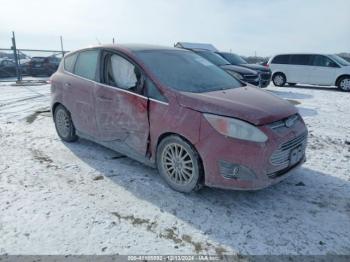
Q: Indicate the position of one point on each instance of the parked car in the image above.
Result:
(43, 65)
(172, 109)
(314, 69)
(234, 59)
(7, 68)
(24, 66)
(208, 51)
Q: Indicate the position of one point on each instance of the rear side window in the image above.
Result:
(300, 59)
(86, 64)
(281, 59)
(69, 62)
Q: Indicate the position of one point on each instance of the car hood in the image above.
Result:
(246, 103)
(256, 67)
(239, 69)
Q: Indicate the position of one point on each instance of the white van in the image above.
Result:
(314, 69)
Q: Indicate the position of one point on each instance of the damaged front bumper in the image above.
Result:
(243, 165)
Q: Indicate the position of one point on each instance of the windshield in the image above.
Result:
(233, 58)
(213, 57)
(186, 71)
(340, 60)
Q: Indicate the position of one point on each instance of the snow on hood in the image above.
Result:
(246, 103)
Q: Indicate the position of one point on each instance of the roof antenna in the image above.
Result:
(113, 40)
(98, 41)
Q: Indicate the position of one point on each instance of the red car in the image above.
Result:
(174, 110)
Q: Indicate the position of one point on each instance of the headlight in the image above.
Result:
(235, 128)
(236, 75)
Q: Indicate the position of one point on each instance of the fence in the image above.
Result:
(28, 64)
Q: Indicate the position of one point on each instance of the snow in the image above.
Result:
(81, 198)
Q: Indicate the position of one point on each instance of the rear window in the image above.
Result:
(38, 59)
(281, 59)
(300, 59)
(86, 64)
(69, 62)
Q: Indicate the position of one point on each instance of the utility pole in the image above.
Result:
(14, 48)
(62, 46)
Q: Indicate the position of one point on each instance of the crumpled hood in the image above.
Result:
(246, 103)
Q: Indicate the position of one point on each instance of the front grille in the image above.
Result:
(283, 171)
(282, 156)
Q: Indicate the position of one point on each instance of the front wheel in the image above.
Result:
(279, 79)
(179, 164)
(64, 125)
(344, 84)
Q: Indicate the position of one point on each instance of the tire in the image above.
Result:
(291, 84)
(64, 124)
(344, 83)
(179, 164)
(279, 79)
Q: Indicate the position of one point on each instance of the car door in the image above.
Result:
(299, 69)
(120, 107)
(324, 70)
(78, 90)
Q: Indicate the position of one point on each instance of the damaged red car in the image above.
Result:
(172, 109)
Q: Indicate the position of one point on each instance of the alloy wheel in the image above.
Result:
(278, 80)
(63, 123)
(178, 164)
(345, 84)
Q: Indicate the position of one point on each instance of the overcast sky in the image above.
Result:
(243, 26)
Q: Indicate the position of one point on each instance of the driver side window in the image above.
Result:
(119, 72)
(320, 60)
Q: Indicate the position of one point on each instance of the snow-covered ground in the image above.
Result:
(81, 198)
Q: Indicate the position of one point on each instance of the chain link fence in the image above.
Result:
(28, 64)
(32, 65)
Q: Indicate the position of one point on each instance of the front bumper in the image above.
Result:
(263, 80)
(243, 165)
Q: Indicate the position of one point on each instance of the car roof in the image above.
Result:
(131, 47)
(302, 54)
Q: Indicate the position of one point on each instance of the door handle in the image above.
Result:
(67, 84)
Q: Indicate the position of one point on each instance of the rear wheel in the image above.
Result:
(64, 125)
(279, 79)
(179, 164)
(344, 83)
